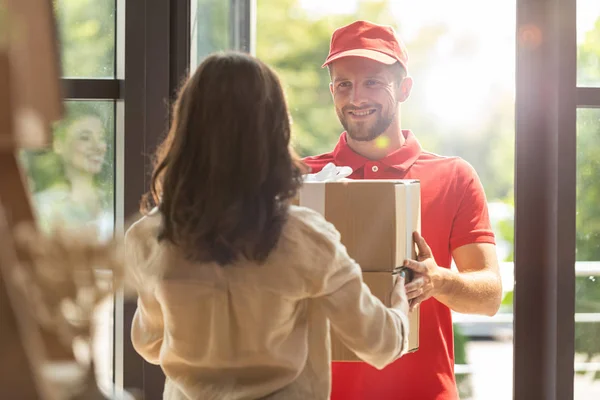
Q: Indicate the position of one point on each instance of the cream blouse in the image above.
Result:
(250, 331)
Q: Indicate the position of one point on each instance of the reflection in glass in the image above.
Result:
(72, 182)
(87, 37)
(587, 287)
(588, 43)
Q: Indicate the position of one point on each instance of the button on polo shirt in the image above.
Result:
(372, 170)
(453, 213)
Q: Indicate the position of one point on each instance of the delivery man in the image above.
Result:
(368, 65)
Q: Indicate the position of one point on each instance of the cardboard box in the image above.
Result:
(376, 219)
(381, 285)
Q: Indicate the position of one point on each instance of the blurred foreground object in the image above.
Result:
(49, 285)
(30, 81)
(57, 283)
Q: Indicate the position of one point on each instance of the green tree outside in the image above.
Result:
(86, 30)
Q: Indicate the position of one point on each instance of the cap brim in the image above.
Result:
(364, 53)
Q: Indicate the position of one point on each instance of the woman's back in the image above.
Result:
(246, 331)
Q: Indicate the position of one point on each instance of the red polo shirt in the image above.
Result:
(453, 213)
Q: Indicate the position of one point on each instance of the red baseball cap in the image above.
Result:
(366, 39)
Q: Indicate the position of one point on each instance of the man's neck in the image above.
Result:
(388, 142)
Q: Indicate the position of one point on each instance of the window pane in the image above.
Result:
(462, 104)
(210, 28)
(87, 34)
(588, 40)
(73, 182)
(587, 296)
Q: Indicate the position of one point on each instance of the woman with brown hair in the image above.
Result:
(236, 286)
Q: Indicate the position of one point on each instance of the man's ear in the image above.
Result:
(404, 89)
(331, 88)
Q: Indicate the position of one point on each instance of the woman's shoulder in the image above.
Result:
(143, 251)
(143, 226)
(308, 234)
(141, 237)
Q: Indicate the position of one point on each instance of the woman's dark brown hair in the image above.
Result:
(224, 175)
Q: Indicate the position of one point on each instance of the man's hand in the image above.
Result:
(476, 288)
(428, 278)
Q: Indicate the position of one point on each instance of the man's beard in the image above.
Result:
(360, 131)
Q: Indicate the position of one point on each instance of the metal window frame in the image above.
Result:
(92, 89)
(588, 97)
(242, 23)
(147, 78)
(118, 299)
(545, 197)
(156, 42)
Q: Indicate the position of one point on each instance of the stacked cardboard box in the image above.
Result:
(376, 219)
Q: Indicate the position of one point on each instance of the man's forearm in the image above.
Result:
(477, 292)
